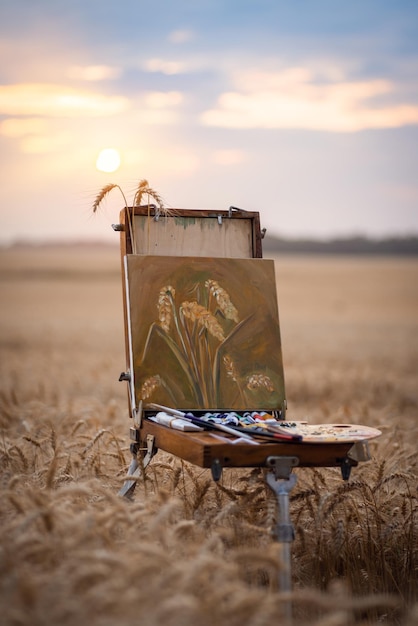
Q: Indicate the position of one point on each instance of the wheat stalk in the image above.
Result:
(144, 189)
(50, 474)
(103, 193)
(23, 459)
(339, 536)
(100, 197)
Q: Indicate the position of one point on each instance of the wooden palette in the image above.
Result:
(328, 433)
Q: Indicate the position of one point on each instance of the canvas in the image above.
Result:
(204, 332)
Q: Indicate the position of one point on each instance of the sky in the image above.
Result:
(306, 111)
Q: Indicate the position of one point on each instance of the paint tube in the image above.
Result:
(174, 422)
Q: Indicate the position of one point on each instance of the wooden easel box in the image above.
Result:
(212, 234)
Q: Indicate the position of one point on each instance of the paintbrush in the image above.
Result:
(205, 424)
(270, 432)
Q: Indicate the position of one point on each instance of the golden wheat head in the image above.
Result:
(144, 189)
(103, 193)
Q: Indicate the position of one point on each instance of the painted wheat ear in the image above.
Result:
(197, 313)
(149, 386)
(259, 381)
(165, 300)
(231, 371)
(223, 300)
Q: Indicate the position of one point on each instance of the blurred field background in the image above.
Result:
(185, 550)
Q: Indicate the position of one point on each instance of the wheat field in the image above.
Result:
(186, 551)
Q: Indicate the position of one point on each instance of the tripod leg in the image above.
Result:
(281, 481)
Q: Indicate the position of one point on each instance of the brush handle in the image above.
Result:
(191, 418)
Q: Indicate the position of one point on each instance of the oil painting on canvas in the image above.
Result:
(205, 332)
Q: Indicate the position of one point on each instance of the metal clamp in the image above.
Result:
(282, 465)
(281, 481)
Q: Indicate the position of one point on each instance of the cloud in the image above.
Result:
(162, 161)
(163, 66)
(35, 134)
(48, 118)
(44, 144)
(93, 72)
(159, 107)
(229, 156)
(57, 101)
(181, 36)
(19, 127)
(162, 99)
(292, 99)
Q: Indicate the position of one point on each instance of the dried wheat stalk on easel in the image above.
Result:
(142, 190)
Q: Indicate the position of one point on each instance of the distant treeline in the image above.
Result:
(403, 246)
(406, 246)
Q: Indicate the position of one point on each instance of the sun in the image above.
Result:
(108, 160)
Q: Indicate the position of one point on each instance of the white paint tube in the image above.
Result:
(174, 422)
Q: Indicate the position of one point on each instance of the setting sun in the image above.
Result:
(108, 160)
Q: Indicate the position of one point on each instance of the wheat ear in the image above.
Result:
(103, 193)
(144, 189)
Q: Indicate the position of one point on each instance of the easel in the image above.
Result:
(188, 244)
